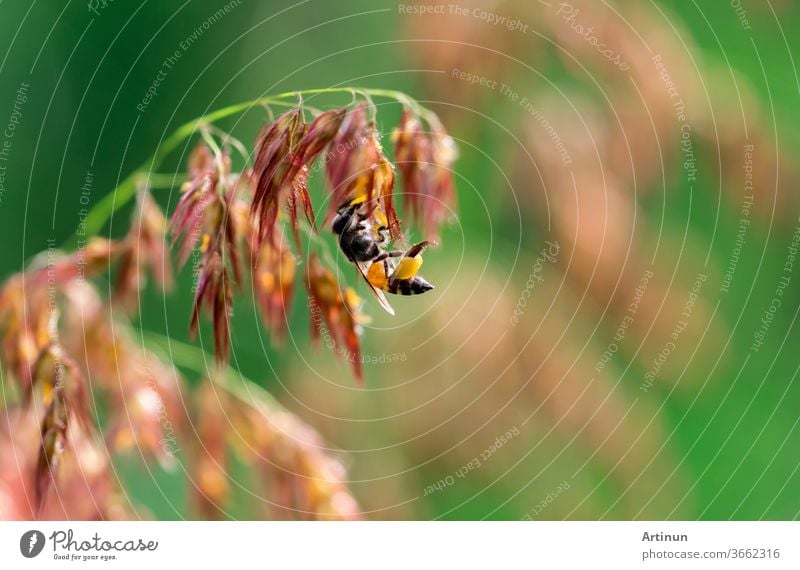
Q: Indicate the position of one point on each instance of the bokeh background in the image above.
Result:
(614, 330)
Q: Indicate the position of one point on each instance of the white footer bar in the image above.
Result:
(400, 545)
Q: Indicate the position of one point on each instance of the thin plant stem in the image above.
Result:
(196, 359)
(205, 132)
(165, 179)
(229, 139)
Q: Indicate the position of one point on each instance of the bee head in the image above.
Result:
(343, 217)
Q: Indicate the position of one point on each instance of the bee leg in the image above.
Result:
(416, 249)
(383, 236)
(387, 254)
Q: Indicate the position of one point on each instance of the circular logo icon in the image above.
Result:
(31, 543)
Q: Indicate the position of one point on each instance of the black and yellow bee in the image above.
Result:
(363, 242)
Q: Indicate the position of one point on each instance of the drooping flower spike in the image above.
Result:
(425, 160)
(335, 313)
(273, 284)
(204, 222)
(145, 246)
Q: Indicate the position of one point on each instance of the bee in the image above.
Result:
(363, 242)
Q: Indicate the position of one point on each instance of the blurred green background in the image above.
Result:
(716, 434)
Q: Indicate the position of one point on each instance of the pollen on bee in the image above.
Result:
(408, 267)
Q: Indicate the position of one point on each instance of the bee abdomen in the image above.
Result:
(414, 286)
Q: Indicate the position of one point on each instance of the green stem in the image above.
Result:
(218, 159)
(193, 358)
(166, 179)
(122, 194)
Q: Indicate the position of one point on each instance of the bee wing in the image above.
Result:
(362, 269)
